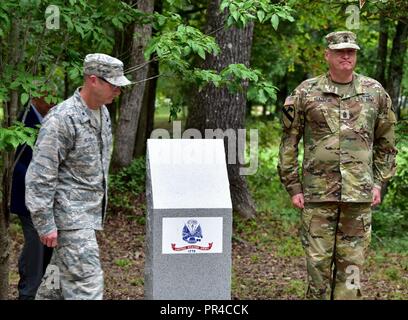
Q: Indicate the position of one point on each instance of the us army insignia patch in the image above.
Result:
(345, 115)
(288, 112)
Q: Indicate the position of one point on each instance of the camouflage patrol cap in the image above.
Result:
(342, 40)
(106, 67)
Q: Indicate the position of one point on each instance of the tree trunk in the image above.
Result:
(4, 225)
(147, 113)
(382, 51)
(131, 104)
(396, 66)
(215, 108)
(14, 56)
(146, 125)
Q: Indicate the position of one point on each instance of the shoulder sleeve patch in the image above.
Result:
(288, 111)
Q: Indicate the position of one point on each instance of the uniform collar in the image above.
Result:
(81, 106)
(326, 86)
(85, 112)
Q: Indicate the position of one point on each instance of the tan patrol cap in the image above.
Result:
(342, 40)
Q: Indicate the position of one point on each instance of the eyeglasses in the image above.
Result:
(342, 52)
(112, 85)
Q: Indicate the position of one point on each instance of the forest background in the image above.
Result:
(217, 64)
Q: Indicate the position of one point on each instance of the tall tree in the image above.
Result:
(146, 120)
(382, 50)
(132, 101)
(218, 108)
(396, 66)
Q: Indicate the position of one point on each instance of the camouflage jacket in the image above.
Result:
(67, 180)
(349, 142)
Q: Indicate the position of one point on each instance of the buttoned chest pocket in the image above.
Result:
(367, 115)
(320, 115)
(86, 143)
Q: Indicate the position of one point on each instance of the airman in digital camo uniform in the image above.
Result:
(67, 180)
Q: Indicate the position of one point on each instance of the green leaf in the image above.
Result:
(73, 73)
(24, 98)
(116, 22)
(261, 15)
(14, 141)
(230, 21)
(271, 92)
(80, 30)
(243, 20)
(275, 21)
(252, 93)
(282, 14)
(201, 53)
(68, 20)
(261, 96)
(224, 4)
(186, 51)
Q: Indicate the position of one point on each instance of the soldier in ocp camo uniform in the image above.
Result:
(67, 180)
(347, 124)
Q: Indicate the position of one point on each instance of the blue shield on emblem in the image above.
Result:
(192, 232)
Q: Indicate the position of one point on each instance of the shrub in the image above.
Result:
(126, 186)
(390, 221)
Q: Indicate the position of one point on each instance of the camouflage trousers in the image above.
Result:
(74, 272)
(335, 237)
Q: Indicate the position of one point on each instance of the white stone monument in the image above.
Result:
(189, 220)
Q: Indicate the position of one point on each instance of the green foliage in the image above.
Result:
(232, 77)
(37, 56)
(12, 137)
(390, 221)
(265, 185)
(244, 11)
(392, 273)
(123, 263)
(178, 46)
(262, 92)
(290, 247)
(176, 43)
(127, 184)
(296, 287)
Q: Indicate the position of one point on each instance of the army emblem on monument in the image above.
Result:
(192, 232)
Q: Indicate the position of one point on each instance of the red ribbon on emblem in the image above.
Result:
(193, 246)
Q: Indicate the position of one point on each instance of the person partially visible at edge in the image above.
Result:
(67, 181)
(347, 124)
(34, 256)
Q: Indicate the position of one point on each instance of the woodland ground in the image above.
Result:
(267, 261)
